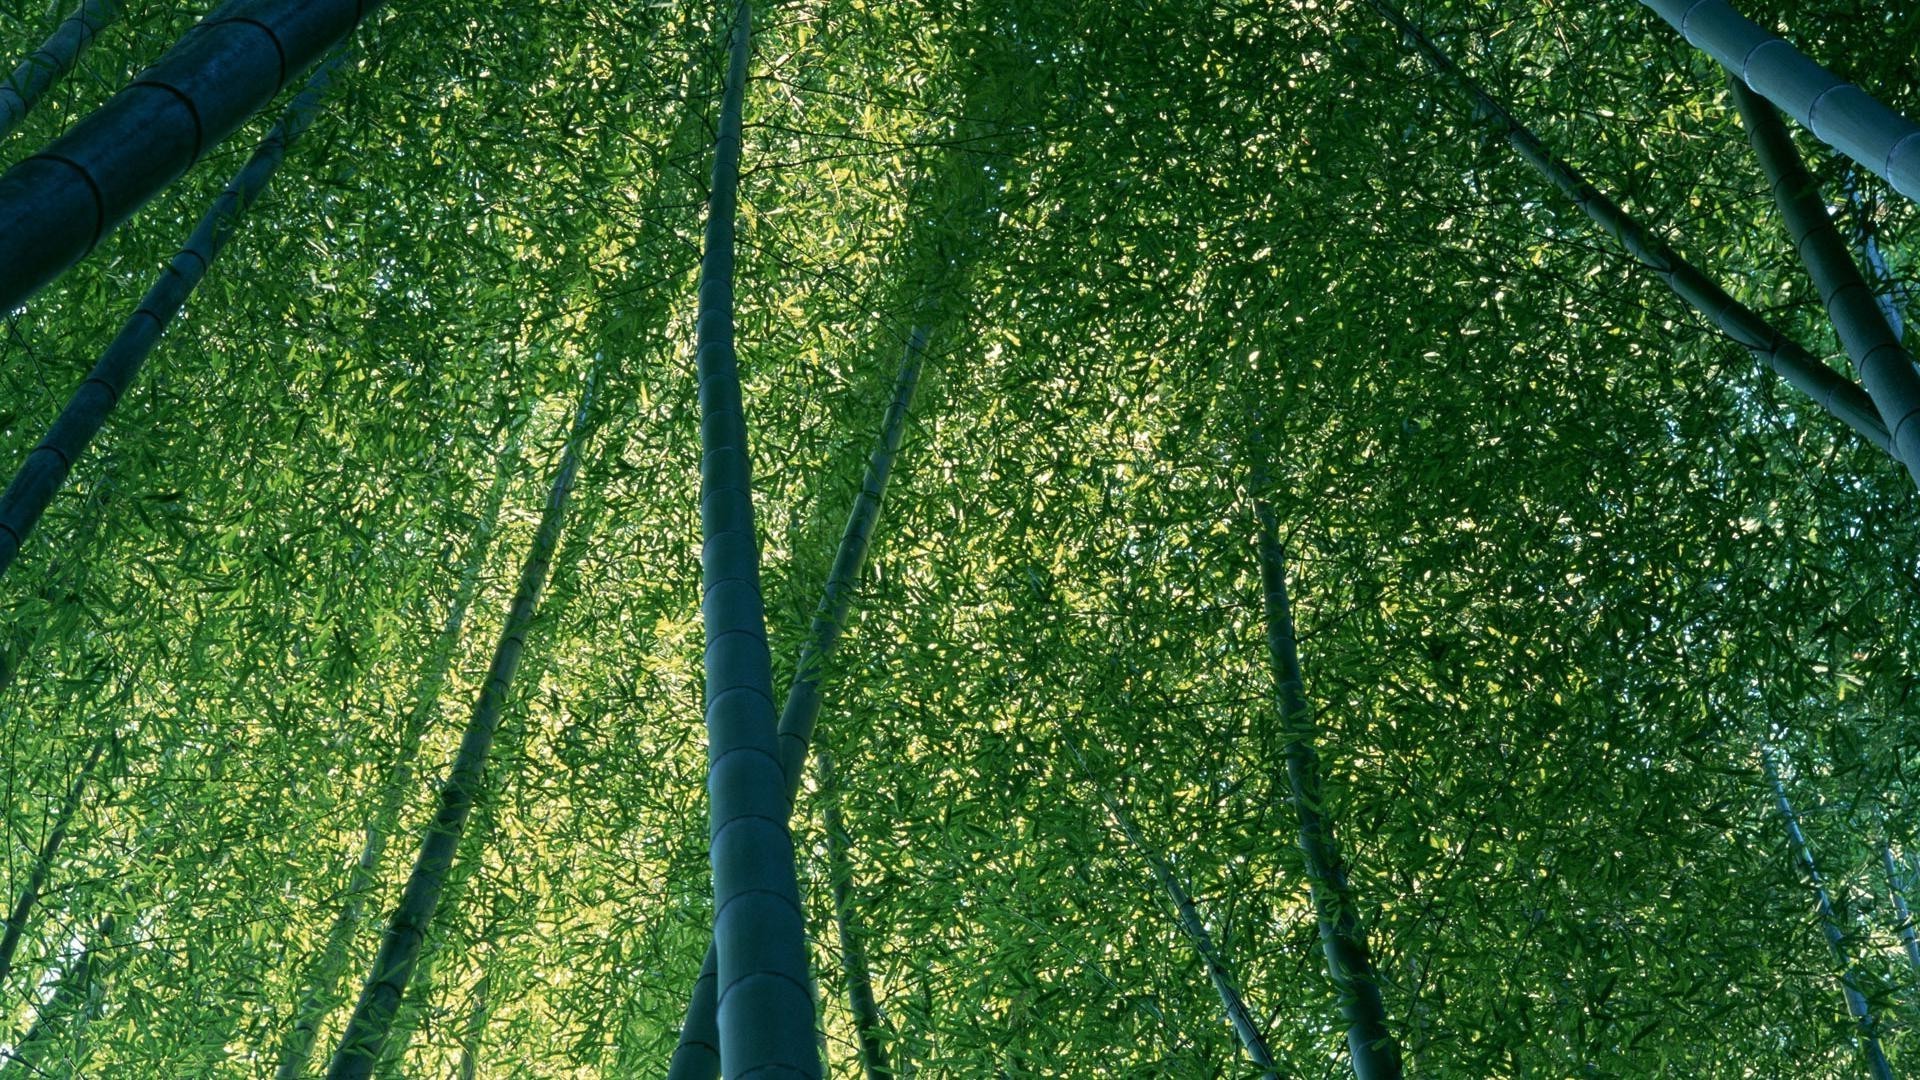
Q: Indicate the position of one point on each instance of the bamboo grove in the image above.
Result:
(1003, 538)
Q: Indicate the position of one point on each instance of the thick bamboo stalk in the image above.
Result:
(1376, 1056)
(696, 1057)
(360, 1046)
(764, 1000)
(867, 1025)
(1839, 397)
(1838, 113)
(1193, 926)
(86, 412)
(49, 63)
(56, 205)
(322, 992)
(43, 862)
(1884, 366)
(1877, 1065)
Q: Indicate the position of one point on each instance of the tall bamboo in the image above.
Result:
(763, 1005)
(322, 991)
(1376, 1056)
(1839, 397)
(49, 63)
(86, 412)
(366, 1034)
(59, 203)
(1838, 113)
(1193, 926)
(696, 1056)
(1884, 366)
(1877, 1065)
(417, 1008)
(43, 860)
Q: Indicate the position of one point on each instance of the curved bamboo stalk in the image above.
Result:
(56, 205)
(49, 63)
(366, 1034)
(86, 412)
(1838, 113)
(1839, 397)
(696, 1056)
(1376, 1056)
(1883, 365)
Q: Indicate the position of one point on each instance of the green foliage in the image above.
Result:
(1561, 559)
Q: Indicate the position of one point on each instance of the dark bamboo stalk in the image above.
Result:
(1376, 1055)
(696, 1057)
(867, 1025)
(1884, 366)
(43, 861)
(47, 466)
(763, 1005)
(322, 992)
(1877, 1065)
(366, 1035)
(57, 205)
(1193, 926)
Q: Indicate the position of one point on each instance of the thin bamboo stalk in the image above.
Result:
(1801, 369)
(49, 63)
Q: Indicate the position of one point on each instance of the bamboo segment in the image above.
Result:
(867, 1024)
(1191, 924)
(764, 998)
(43, 862)
(1376, 1056)
(1908, 939)
(1877, 1065)
(696, 1057)
(47, 466)
(59, 203)
(1884, 366)
(322, 992)
(1838, 113)
(400, 946)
